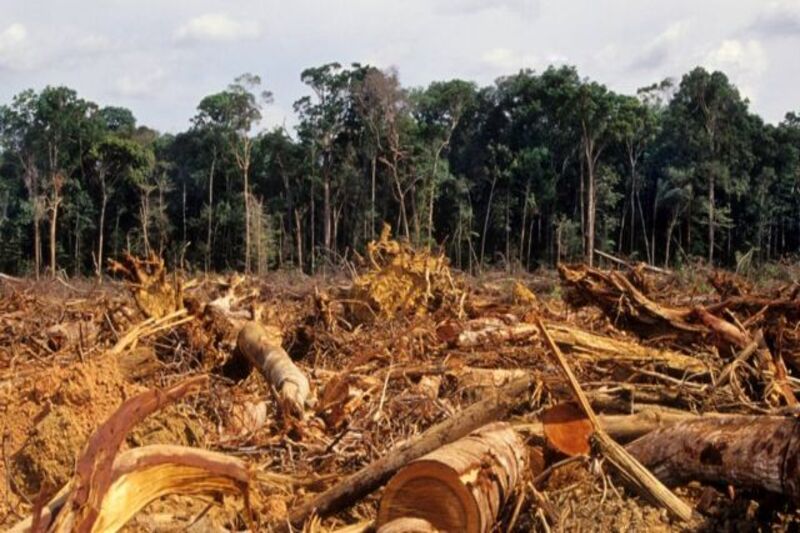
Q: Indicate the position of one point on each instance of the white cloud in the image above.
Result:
(743, 61)
(216, 27)
(453, 7)
(508, 61)
(14, 53)
(140, 85)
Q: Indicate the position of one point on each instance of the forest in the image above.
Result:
(533, 169)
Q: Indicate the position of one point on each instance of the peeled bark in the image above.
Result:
(262, 347)
(461, 486)
(746, 451)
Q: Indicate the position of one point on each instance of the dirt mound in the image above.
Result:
(53, 415)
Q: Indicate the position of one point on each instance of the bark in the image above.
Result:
(747, 451)
(495, 407)
(262, 348)
(461, 486)
(711, 217)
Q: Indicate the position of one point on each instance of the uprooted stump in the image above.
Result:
(400, 280)
(155, 295)
(461, 486)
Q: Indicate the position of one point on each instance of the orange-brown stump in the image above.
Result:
(461, 486)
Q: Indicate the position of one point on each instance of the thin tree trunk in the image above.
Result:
(100, 231)
(711, 218)
(210, 209)
(486, 218)
(372, 213)
(53, 228)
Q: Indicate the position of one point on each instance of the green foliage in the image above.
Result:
(513, 172)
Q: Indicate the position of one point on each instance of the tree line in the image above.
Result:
(535, 168)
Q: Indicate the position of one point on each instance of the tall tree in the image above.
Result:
(234, 112)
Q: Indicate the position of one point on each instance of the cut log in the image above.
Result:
(262, 347)
(461, 486)
(746, 451)
(495, 407)
(567, 429)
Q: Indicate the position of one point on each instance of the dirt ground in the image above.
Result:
(378, 378)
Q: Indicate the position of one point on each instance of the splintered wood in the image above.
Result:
(412, 398)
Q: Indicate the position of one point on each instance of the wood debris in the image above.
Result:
(413, 399)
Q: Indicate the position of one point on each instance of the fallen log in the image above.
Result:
(583, 344)
(461, 486)
(746, 451)
(495, 407)
(262, 348)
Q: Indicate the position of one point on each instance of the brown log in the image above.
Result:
(496, 406)
(262, 347)
(747, 451)
(461, 486)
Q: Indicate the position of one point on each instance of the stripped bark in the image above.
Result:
(461, 486)
(262, 347)
(407, 525)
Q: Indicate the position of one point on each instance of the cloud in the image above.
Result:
(14, 53)
(658, 51)
(216, 27)
(778, 19)
(744, 61)
(468, 7)
(507, 61)
(140, 84)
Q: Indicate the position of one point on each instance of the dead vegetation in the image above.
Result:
(406, 398)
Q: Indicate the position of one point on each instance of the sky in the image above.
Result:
(160, 57)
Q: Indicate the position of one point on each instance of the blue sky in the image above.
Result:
(160, 57)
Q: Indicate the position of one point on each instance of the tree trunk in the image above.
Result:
(711, 217)
(373, 212)
(210, 210)
(53, 228)
(298, 225)
(590, 204)
(246, 179)
(100, 230)
(486, 218)
(748, 451)
(461, 486)
(326, 208)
